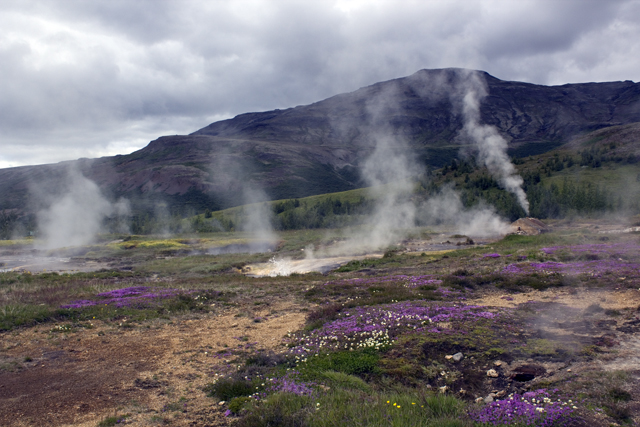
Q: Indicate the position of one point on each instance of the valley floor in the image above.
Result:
(556, 312)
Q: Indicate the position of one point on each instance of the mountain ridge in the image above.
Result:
(318, 148)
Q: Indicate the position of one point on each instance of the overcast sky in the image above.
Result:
(92, 78)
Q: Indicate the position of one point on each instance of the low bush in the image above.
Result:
(227, 389)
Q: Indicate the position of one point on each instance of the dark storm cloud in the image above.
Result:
(90, 78)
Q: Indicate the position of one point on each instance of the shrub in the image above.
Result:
(227, 389)
(278, 410)
(112, 421)
(345, 381)
(237, 403)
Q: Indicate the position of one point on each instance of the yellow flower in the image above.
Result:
(387, 401)
(413, 403)
(398, 406)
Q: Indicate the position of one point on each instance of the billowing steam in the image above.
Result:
(492, 148)
(390, 172)
(446, 208)
(75, 216)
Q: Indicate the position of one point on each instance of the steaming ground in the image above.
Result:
(37, 264)
(327, 259)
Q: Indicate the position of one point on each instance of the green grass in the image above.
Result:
(361, 362)
(227, 389)
(339, 407)
(112, 421)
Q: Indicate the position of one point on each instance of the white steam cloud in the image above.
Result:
(390, 172)
(492, 148)
(76, 216)
(446, 208)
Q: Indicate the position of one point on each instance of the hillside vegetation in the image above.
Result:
(598, 174)
(320, 148)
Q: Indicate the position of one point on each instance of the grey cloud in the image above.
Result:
(98, 68)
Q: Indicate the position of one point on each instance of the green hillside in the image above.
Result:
(596, 174)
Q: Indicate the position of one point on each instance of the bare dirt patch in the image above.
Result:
(153, 371)
(614, 300)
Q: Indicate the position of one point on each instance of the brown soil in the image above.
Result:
(615, 300)
(80, 378)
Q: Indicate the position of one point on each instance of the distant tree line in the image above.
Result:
(474, 183)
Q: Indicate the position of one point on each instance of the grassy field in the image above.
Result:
(526, 330)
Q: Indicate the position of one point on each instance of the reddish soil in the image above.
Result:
(81, 377)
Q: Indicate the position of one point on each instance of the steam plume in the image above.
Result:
(446, 208)
(258, 216)
(492, 148)
(233, 182)
(76, 216)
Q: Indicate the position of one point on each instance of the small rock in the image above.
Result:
(457, 357)
(448, 357)
(501, 393)
(492, 373)
(488, 399)
(568, 370)
(443, 389)
(222, 402)
(497, 363)
(479, 399)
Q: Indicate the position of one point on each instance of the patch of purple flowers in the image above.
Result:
(408, 281)
(495, 255)
(289, 384)
(610, 249)
(591, 268)
(136, 296)
(534, 408)
(378, 326)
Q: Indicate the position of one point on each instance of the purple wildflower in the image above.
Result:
(535, 408)
(494, 255)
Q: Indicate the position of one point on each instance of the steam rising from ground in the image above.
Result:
(258, 216)
(390, 172)
(492, 148)
(233, 176)
(76, 215)
(446, 208)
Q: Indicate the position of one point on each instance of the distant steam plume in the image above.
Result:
(233, 182)
(76, 215)
(492, 148)
(258, 215)
(390, 172)
(446, 208)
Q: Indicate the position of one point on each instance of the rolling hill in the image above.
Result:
(319, 148)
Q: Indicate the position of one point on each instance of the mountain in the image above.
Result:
(318, 148)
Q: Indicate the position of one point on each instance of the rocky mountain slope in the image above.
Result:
(318, 148)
